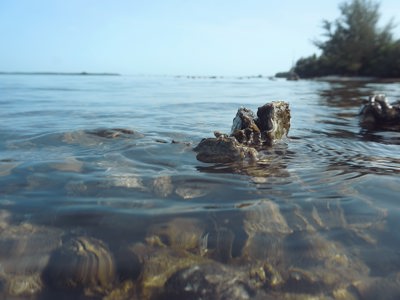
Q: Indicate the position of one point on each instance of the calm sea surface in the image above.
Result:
(330, 190)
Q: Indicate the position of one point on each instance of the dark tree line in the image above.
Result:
(355, 45)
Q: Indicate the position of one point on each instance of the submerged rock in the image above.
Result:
(112, 133)
(379, 288)
(96, 137)
(249, 133)
(378, 113)
(25, 250)
(208, 281)
(265, 217)
(83, 265)
(223, 149)
(159, 263)
(178, 233)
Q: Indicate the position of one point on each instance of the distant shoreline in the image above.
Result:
(339, 78)
(60, 73)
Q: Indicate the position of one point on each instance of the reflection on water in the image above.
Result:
(104, 177)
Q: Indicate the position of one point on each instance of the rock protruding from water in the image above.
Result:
(249, 133)
(272, 123)
(223, 149)
(378, 113)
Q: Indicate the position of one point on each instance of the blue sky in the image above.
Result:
(173, 37)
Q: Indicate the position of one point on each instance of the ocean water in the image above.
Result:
(321, 208)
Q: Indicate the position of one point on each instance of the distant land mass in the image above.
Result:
(354, 45)
(60, 73)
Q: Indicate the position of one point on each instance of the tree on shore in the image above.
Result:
(354, 45)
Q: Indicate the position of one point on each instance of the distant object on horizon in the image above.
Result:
(60, 73)
(259, 76)
(289, 75)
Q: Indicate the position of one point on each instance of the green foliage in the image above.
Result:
(354, 45)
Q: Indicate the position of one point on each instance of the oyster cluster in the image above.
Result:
(249, 133)
(378, 113)
(271, 123)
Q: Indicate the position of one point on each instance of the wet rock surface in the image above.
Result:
(272, 123)
(249, 133)
(223, 149)
(378, 113)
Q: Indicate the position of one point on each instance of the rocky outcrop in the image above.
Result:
(223, 149)
(249, 133)
(379, 114)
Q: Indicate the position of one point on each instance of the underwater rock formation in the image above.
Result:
(112, 133)
(249, 133)
(25, 250)
(378, 113)
(210, 281)
(264, 250)
(82, 264)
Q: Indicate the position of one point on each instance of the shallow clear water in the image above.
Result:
(329, 177)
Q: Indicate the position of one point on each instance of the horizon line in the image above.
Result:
(60, 73)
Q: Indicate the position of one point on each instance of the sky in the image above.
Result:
(165, 37)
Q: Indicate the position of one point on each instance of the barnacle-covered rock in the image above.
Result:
(82, 264)
(179, 233)
(319, 264)
(124, 291)
(223, 149)
(266, 228)
(265, 247)
(272, 123)
(158, 264)
(220, 243)
(378, 113)
(301, 281)
(245, 129)
(265, 217)
(248, 134)
(24, 286)
(274, 120)
(265, 275)
(210, 281)
(310, 248)
(25, 250)
(379, 287)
